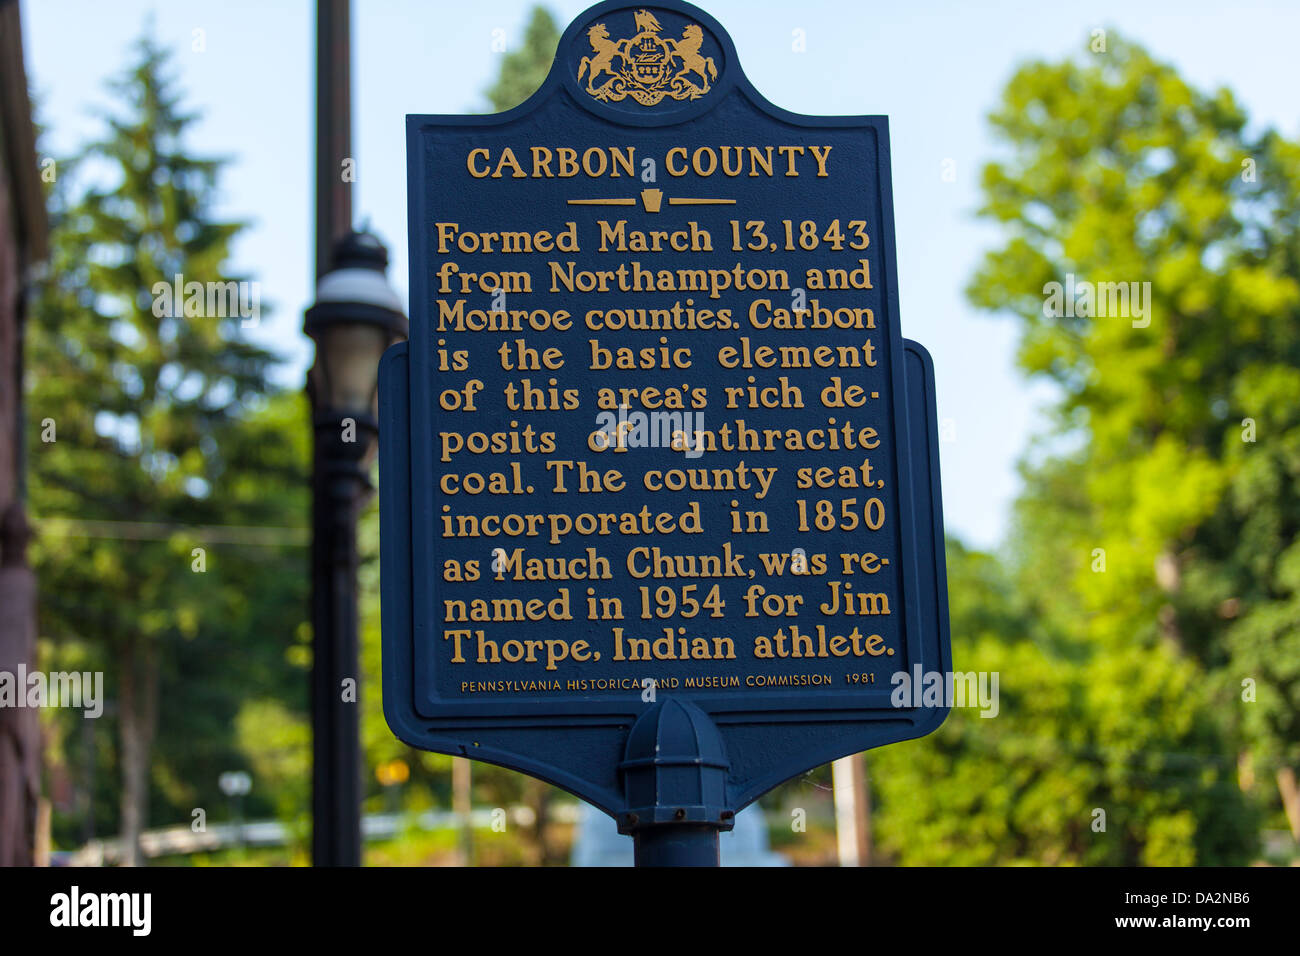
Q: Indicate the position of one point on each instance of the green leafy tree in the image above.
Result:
(277, 742)
(160, 446)
(1175, 529)
(524, 69)
(1094, 756)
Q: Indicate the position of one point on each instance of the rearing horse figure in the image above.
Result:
(603, 61)
(688, 48)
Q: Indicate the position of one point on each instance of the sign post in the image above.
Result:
(659, 473)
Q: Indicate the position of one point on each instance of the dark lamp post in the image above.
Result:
(355, 318)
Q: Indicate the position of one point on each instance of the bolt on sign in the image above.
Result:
(656, 438)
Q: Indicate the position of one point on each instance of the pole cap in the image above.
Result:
(675, 770)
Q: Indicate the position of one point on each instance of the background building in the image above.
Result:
(22, 245)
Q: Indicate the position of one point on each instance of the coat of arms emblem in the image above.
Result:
(647, 67)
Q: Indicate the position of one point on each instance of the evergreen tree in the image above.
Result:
(158, 428)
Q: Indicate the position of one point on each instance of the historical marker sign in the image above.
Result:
(656, 433)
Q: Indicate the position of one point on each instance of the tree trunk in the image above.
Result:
(538, 796)
(462, 805)
(1286, 786)
(1169, 578)
(128, 732)
(1246, 771)
(138, 706)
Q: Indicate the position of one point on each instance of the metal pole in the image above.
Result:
(463, 807)
(336, 731)
(669, 845)
(333, 126)
(852, 811)
(674, 774)
(337, 485)
(863, 790)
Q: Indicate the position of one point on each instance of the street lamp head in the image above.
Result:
(355, 318)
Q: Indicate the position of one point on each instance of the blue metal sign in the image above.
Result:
(656, 445)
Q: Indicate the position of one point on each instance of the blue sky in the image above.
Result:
(935, 69)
